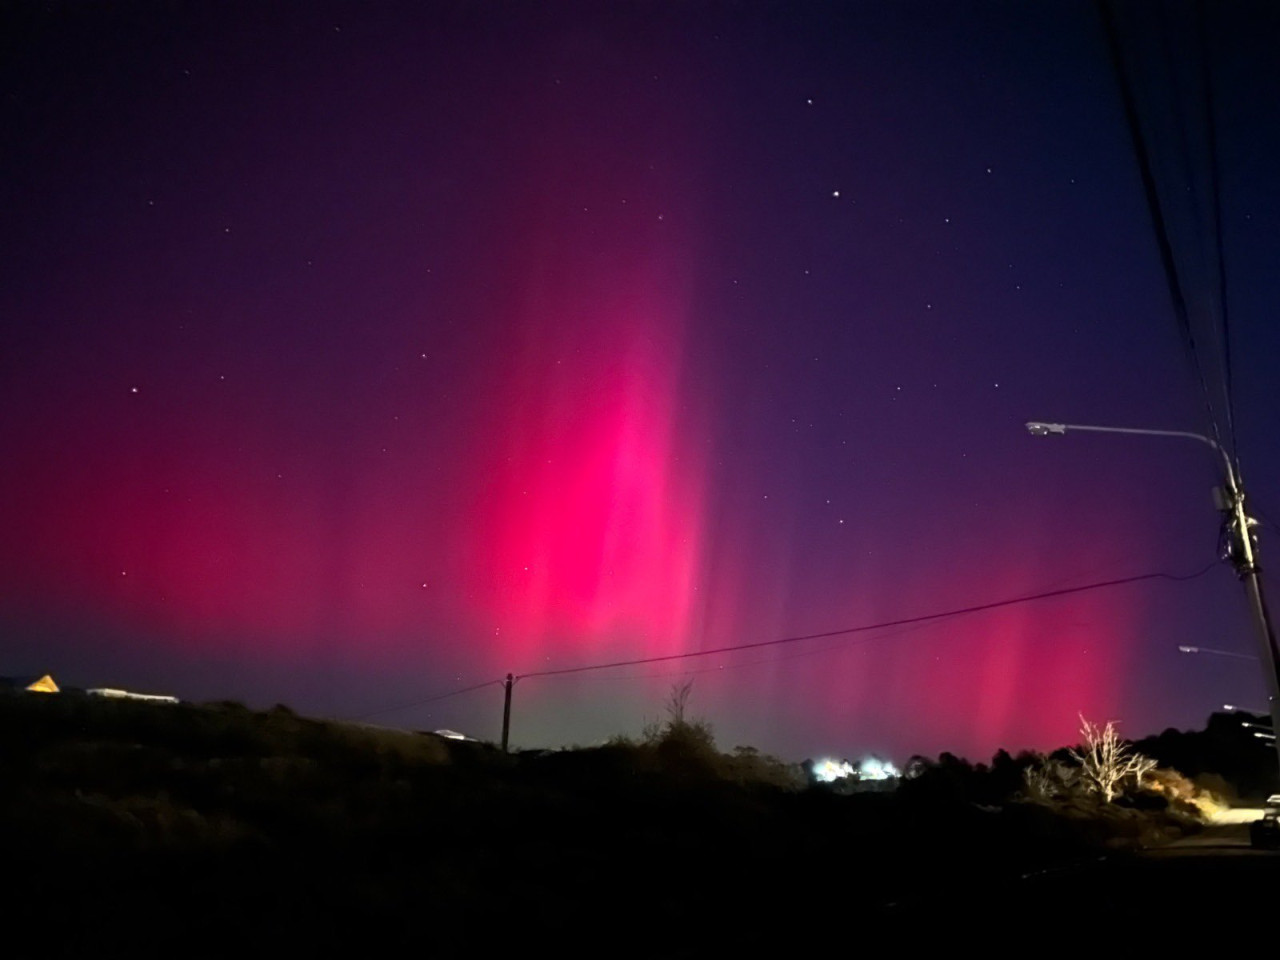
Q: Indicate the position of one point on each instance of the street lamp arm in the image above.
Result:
(1217, 653)
(1038, 428)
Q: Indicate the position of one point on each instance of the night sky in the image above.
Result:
(353, 353)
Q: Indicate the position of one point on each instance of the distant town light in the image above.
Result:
(827, 770)
(873, 768)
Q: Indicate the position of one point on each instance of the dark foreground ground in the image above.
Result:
(216, 831)
(1209, 895)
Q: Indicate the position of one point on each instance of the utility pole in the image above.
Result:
(1243, 556)
(1241, 552)
(506, 709)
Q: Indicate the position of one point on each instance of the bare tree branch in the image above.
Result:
(1106, 761)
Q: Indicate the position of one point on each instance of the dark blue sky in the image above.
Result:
(358, 352)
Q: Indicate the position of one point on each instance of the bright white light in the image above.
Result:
(1038, 429)
(873, 768)
(452, 735)
(828, 770)
(115, 694)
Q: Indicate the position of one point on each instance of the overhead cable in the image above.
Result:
(847, 631)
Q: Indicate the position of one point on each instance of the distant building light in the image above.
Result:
(115, 694)
(829, 771)
(452, 735)
(42, 684)
(873, 768)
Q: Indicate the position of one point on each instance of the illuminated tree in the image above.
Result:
(1106, 761)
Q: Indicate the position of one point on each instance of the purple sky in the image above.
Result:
(354, 353)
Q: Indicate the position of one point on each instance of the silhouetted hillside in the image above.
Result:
(216, 830)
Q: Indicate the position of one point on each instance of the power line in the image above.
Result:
(426, 700)
(1159, 223)
(1215, 184)
(781, 641)
(785, 640)
(960, 611)
(721, 668)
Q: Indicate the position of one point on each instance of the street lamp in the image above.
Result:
(1240, 546)
(1234, 708)
(1259, 731)
(1217, 653)
(1040, 429)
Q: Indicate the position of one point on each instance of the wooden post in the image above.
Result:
(506, 709)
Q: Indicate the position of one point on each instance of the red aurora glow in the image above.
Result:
(345, 368)
(593, 518)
